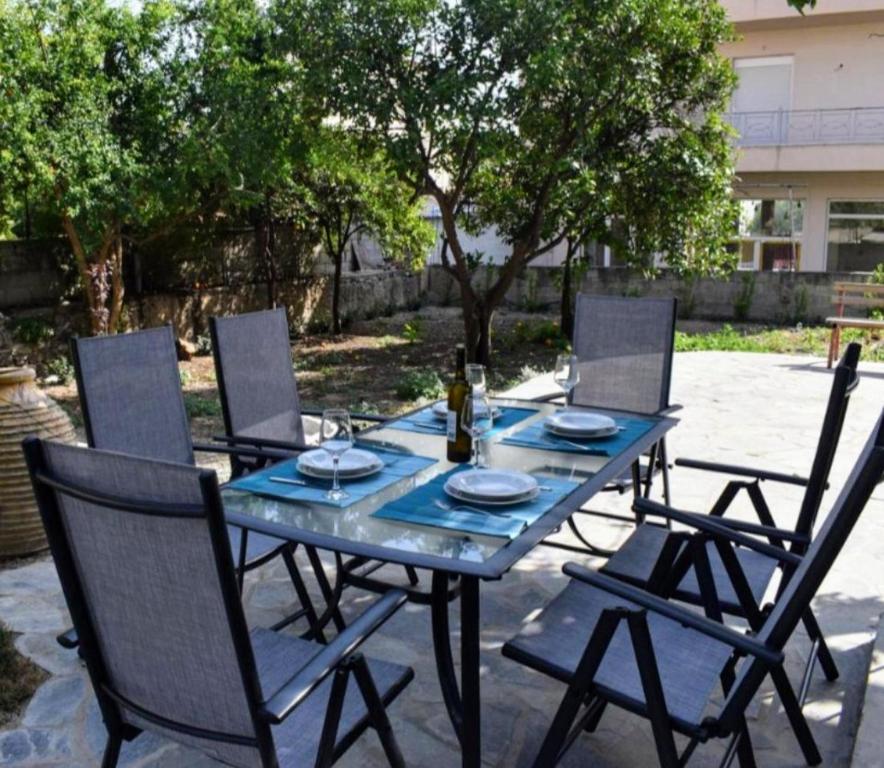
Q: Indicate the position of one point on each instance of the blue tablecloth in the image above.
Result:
(425, 422)
(418, 507)
(396, 466)
(535, 436)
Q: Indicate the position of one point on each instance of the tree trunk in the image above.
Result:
(336, 292)
(264, 241)
(567, 307)
(477, 317)
(101, 277)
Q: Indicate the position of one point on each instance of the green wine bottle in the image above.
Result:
(459, 442)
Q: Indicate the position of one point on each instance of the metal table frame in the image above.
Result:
(463, 701)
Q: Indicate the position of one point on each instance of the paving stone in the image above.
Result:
(57, 702)
(44, 651)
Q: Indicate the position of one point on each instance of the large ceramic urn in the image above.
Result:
(24, 410)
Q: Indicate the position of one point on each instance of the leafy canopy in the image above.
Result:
(84, 122)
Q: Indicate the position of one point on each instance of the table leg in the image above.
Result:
(471, 741)
(462, 702)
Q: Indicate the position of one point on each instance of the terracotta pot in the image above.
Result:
(24, 410)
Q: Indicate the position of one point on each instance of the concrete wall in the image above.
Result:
(765, 297)
(30, 272)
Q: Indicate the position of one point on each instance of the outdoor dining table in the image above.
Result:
(472, 558)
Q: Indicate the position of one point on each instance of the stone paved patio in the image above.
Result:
(743, 408)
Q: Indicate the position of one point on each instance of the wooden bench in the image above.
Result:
(866, 295)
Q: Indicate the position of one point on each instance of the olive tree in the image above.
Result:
(545, 120)
(85, 129)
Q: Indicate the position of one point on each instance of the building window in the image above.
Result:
(764, 84)
(856, 235)
(770, 234)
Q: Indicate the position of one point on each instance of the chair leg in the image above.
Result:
(596, 718)
(824, 655)
(288, 557)
(324, 586)
(412, 575)
(376, 711)
(796, 716)
(664, 468)
(325, 755)
(112, 750)
(652, 686)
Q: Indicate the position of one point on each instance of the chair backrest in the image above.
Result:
(130, 394)
(143, 557)
(845, 380)
(624, 347)
(256, 378)
(806, 579)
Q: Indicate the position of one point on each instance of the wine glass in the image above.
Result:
(567, 373)
(476, 378)
(336, 438)
(477, 420)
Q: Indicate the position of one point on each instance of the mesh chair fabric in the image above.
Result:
(130, 389)
(624, 348)
(254, 363)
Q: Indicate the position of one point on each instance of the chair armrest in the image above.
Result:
(669, 409)
(547, 398)
(68, 639)
(713, 527)
(286, 699)
(255, 453)
(690, 619)
(729, 469)
(379, 418)
(756, 529)
(262, 443)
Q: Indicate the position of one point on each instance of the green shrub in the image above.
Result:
(546, 332)
(32, 330)
(204, 345)
(59, 370)
(743, 300)
(420, 383)
(199, 406)
(413, 330)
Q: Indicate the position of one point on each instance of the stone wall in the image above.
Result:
(308, 302)
(764, 297)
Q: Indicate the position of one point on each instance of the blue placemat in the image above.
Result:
(425, 422)
(418, 507)
(396, 466)
(535, 436)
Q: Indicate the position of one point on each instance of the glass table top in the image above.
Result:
(355, 523)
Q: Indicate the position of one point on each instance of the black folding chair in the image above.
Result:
(624, 348)
(144, 559)
(131, 399)
(667, 562)
(260, 402)
(611, 642)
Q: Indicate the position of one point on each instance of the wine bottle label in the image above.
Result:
(452, 426)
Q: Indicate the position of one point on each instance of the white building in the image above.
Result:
(809, 109)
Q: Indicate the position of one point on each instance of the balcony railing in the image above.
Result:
(794, 127)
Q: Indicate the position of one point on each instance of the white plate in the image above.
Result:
(488, 486)
(440, 411)
(573, 435)
(488, 503)
(580, 424)
(354, 463)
